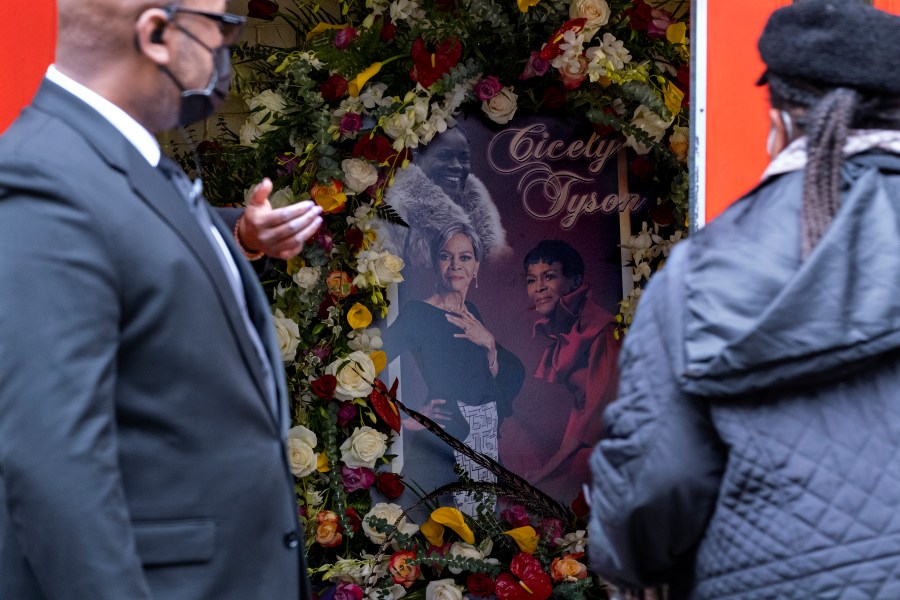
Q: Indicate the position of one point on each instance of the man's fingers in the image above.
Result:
(261, 192)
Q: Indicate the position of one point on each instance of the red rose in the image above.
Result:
(333, 88)
(553, 97)
(640, 16)
(388, 31)
(324, 386)
(390, 484)
(327, 303)
(262, 9)
(662, 214)
(376, 148)
(354, 519)
(480, 584)
(355, 237)
(642, 167)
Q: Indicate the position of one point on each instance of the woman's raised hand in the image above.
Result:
(472, 329)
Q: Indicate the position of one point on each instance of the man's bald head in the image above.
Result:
(94, 32)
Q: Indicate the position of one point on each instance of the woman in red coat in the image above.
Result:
(582, 354)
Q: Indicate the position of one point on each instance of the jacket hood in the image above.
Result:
(757, 317)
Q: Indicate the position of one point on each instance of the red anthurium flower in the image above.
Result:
(528, 580)
(384, 407)
(551, 49)
(430, 66)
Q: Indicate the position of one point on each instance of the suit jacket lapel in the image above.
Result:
(160, 194)
(260, 315)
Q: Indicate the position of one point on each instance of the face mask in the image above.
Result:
(197, 105)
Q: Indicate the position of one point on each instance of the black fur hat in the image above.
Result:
(838, 43)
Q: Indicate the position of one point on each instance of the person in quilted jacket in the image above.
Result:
(754, 449)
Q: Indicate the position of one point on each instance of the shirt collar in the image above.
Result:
(793, 158)
(133, 131)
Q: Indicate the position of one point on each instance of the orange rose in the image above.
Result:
(328, 530)
(402, 569)
(567, 568)
(329, 197)
(339, 284)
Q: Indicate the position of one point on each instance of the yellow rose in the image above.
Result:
(330, 197)
(359, 316)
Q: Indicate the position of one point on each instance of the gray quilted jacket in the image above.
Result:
(754, 451)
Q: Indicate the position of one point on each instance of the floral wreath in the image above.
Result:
(332, 117)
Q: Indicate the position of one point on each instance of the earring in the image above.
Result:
(476, 281)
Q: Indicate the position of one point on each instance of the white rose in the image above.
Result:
(354, 375)
(464, 550)
(282, 197)
(386, 268)
(595, 11)
(679, 142)
(301, 443)
(390, 513)
(364, 446)
(307, 277)
(288, 333)
(654, 125)
(359, 174)
(443, 589)
(501, 108)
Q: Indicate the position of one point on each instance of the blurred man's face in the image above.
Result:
(446, 162)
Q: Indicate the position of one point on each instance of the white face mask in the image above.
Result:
(788, 125)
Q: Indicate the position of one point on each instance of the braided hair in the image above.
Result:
(826, 115)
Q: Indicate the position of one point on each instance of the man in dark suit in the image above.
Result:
(143, 407)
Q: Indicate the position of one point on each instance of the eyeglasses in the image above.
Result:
(230, 25)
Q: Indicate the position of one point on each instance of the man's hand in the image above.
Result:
(278, 232)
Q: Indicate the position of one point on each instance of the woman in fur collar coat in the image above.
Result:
(438, 190)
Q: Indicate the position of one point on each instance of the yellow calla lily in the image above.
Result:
(359, 316)
(453, 519)
(379, 359)
(676, 33)
(524, 5)
(525, 537)
(673, 98)
(355, 85)
(433, 532)
(322, 28)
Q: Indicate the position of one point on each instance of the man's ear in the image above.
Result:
(150, 35)
(779, 132)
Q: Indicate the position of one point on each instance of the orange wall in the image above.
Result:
(736, 109)
(27, 34)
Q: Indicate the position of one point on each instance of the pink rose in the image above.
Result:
(516, 515)
(346, 413)
(535, 67)
(357, 478)
(350, 123)
(488, 87)
(574, 73)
